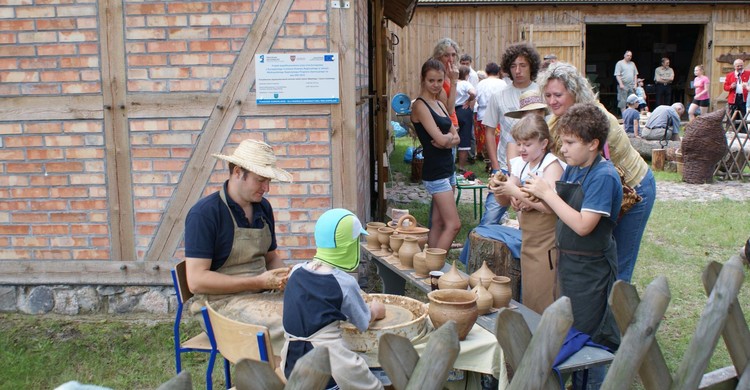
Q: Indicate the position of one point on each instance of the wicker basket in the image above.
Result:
(703, 146)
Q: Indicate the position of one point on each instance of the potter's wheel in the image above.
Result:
(403, 316)
(394, 315)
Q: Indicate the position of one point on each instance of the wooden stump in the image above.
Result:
(658, 157)
(499, 259)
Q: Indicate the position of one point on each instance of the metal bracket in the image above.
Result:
(340, 4)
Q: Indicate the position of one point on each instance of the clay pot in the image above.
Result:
(484, 273)
(456, 305)
(396, 241)
(372, 238)
(484, 298)
(411, 229)
(453, 280)
(420, 264)
(407, 251)
(384, 236)
(435, 258)
(501, 292)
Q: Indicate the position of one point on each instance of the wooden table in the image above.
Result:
(394, 282)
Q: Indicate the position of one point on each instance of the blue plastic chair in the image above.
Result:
(202, 342)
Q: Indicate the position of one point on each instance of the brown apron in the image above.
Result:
(247, 258)
(538, 257)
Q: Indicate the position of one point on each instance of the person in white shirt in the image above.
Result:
(522, 62)
(492, 85)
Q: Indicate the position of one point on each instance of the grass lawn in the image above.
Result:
(135, 352)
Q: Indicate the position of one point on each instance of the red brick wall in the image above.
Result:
(54, 200)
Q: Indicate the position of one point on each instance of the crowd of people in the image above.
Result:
(564, 160)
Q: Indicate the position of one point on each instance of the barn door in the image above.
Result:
(565, 41)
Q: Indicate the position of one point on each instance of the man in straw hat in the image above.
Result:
(230, 240)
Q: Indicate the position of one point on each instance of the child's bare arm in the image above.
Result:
(581, 222)
(377, 311)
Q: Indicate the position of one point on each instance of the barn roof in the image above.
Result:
(573, 2)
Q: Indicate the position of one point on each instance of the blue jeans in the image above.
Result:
(630, 228)
(493, 212)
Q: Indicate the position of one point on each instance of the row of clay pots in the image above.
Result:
(465, 306)
(498, 287)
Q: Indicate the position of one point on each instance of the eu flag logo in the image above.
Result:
(328, 57)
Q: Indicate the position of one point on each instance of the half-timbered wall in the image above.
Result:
(485, 31)
(110, 111)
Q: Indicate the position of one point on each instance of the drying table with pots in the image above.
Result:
(394, 282)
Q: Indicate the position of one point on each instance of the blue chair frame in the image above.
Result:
(197, 343)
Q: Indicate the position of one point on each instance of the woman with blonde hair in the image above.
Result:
(563, 86)
(701, 99)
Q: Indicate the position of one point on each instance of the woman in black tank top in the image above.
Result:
(438, 136)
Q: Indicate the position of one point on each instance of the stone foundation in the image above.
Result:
(74, 300)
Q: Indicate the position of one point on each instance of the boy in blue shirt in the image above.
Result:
(587, 202)
(320, 294)
(631, 117)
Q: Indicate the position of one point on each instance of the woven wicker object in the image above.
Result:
(703, 146)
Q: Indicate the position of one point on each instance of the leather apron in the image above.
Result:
(348, 369)
(587, 269)
(538, 259)
(247, 258)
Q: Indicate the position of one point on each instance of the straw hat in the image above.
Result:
(258, 158)
(528, 101)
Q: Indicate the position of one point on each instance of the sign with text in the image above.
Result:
(297, 78)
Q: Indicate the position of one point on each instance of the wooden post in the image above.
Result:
(312, 371)
(710, 325)
(255, 374)
(398, 358)
(735, 334)
(498, 258)
(441, 352)
(514, 336)
(641, 333)
(624, 300)
(658, 158)
(536, 364)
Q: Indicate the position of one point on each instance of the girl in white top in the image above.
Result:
(537, 221)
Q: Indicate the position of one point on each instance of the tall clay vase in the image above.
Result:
(484, 273)
(384, 236)
(456, 305)
(420, 264)
(372, 238)
(407, 251)
(396, 241)
(484, 298)
(501, 292)
(435, 258)
(452, 280)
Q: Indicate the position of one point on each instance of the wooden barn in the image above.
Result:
(110, 111)
(593, 35)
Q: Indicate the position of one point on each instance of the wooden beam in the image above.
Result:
(33, 108)
(343, 115)
(217, 129)
(140, 106)
(116, 132)
(77, 272)
(645, 18)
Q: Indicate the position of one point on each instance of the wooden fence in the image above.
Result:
(734, 165)
(639, 354)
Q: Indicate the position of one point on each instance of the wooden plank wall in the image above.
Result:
(485, 31)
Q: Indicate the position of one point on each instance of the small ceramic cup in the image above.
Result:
(434, 276)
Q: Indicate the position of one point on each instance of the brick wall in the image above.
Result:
(54, 200)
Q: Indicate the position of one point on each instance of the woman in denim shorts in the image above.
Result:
(438, 136)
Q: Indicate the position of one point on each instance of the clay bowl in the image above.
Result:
(404, 316)
(435, 258)
(456, 305)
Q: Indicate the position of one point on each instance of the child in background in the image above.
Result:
(537, 221)
(320, 294)
(631, 117)
(587, 202)
(641, 93)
